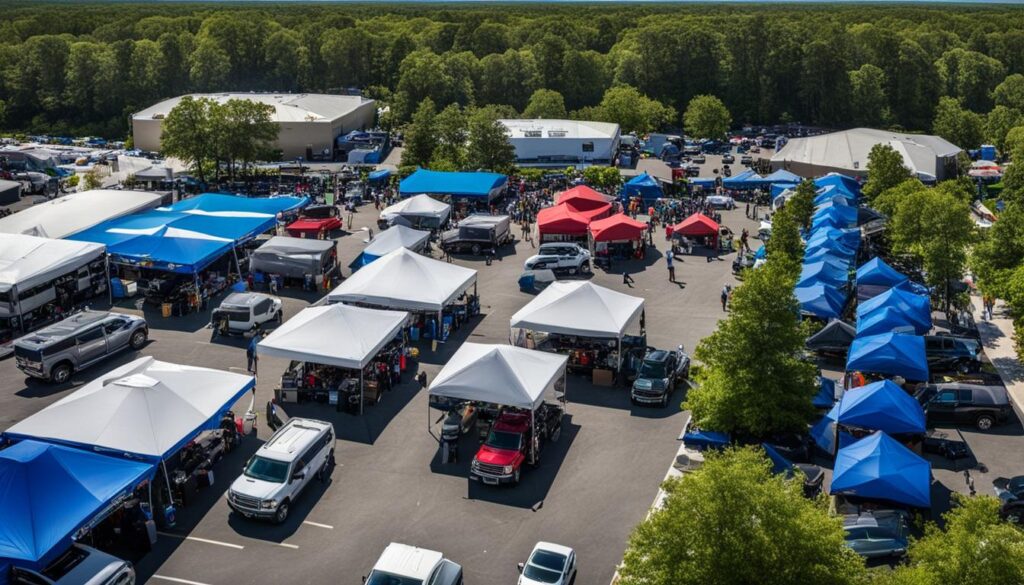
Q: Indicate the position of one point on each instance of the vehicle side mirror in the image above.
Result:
(298, 476)
(521, 566)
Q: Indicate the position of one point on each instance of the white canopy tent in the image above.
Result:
(76, 212)
(27, 261)
(405, 280)
(395, 237)
(334, 335)
(499, 374)
(420, 207)
(144, 409)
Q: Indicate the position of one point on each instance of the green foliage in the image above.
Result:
(732, 522)
(72, 181)
(999, 252)
(189, 133)
(756, 397)
(452, 133)
(607, 179)
(1010, 93)
(489, 145)
(785, 247)
(92, 180)
(632, 111)
(869, 103)
(962, 127)
(1014, 141)
(970, 77)
(975, 547)
(546, 104)
(421, 136)
(707, 117)
(885, 171)
(998, 124)
(801, 204)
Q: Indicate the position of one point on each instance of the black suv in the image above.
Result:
(658, 374)
(959, 403)
(946, 353)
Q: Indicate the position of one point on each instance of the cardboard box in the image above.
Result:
(289, 395)
(603, 377)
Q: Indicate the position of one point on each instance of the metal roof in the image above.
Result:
(288, 107)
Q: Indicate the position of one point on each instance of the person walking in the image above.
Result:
(250, 353)
(725, 298)
(627, 279)
(669, 262)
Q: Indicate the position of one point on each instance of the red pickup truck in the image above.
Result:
(508, 446)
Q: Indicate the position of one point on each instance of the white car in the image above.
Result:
(549, 564)
(401, 564)
(281, 468)
(560, 257)
(721, 202)
(245, 312)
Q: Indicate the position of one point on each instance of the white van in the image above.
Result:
(282, 468)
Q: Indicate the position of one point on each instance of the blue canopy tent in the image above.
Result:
(891, 354)
(916, 308)
(826, 396)
(877, 272)
(835, 201)
(220, 203)
(471, 185)
(879, 468)
(828, 221)
(643, 186)
(780, 465)
(380, 176)
(824, 272)
(884, 320)
(841, 217)
(880, 406)
(822, 254)
(849, 184)
(48, 492)
(828, 436)
(780, 188)
(783, 176)
(850, 238)
(830, 193)
(761, 253)
(820, 300)
(706, 439)
(748, 179)
(830, 247)
(703, 182)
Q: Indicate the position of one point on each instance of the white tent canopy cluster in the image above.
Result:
(499, 374)
(580, 308)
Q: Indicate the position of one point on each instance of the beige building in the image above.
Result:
(309, 122)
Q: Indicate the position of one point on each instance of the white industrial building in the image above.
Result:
(563, 142)
(309, 122)
(929, 157)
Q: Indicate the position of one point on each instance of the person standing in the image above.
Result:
(725, 298)
(627, 279)
(250, 353)
(669, 262)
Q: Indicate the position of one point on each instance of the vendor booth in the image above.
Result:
(834, 338)
(643, 186)
(585, 321)
(916, 308)
(473, 187)
(341, 355)
(421, 211)
(745, 181)
(618, 236)
(74, 212)
(436, 293)
(889, 354)
(295, 258)
(389, 240)
(173, 415)
(825, 271)
(700, 227)
(583, 197)
(875, 277)
(878, 467)
(820, 300)
(43, 279)
(561, 224)
(52, 496)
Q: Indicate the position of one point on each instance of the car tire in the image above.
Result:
(515, 476)
(61, 373)
(279, 317)
(476, 249)
(282, 513)
(321, 473)
(585, 268)
(138, 339)
(985, 422)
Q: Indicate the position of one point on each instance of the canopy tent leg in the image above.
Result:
(110, 288)
(17, 308)
(362, 399)
(238, 265)
(533, 437)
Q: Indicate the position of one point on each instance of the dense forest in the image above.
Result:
(83, 68)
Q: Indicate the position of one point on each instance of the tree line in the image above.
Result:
(85, 69)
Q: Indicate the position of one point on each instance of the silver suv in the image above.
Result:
(560, 257)
(79, 341)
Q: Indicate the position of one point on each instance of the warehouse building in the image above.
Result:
(931, 158)
(309, 122)
(559, 143)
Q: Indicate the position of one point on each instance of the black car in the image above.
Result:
(1010, 492)
(959, 403)
(946, 353)
(658, 374)
(728, 159)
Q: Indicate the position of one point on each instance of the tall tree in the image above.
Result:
(631, 110)
(962, 127)
(188, 133)
(730, 522)
(244, 132)
(970, 77)
(869, 104)
(1010, 92)
(998, 124)
(707, 117)
(421, 136)
(756, 398)
(452, 135)
(885, 170)
(801, 204)
(489, 145)
(546, 104)
(785, 247)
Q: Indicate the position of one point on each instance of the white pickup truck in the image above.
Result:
(410, 565)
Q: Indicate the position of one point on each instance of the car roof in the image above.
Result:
(658, 355)
(243, 299)
(408, 561)
(71, 324)
(550, 546)
(294, 436)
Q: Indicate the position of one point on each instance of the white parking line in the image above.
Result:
(318, 525)
(176, 580)
(286, 545)
(206, 540)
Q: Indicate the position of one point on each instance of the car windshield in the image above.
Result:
(652, 370)
(267, 470)
(545, 566)
(503, 440)
(382, 578)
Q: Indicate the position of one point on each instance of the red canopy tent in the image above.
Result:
(617, 228)
(697, 225)
(584, 198)
(561, 220)
(591, 213)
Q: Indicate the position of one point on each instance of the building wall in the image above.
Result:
(811, 171)
(564, 150)
(146, 134)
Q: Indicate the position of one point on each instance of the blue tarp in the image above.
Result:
(780, 465)
(891, 354)
(879, 468)
(849, 237)
(643, 186)
(824, 272)
(826, 395)
(847, 183)
(217, 203)
(820, 300)
(877, 272)
(916, 308)
(832, 192)
(379, 176)
(783, 176)
(880, 406)
(748, 179)
(835, 201)
(824, 434)
(840, 216)
(703, 182)
(884, 320)
(456, 184)
(48, 492)
(832, 247)
(706, 439)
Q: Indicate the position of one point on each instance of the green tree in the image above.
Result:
(785, 247)
(244, 133)
(970, 77)
(975, 547)
(210, 66)
(1014, 141)
(730, 522)
(546, 104)
(188, 133)
(963, 128)
(801, 204)
(452, 135)
(707, 117)
(869, 104)
(999, 251)
(631, 110)
(998, 124)
(607, 179)
(421, 136)
(1010, 92)
(885, 171)
(772, 393)
(489, 145)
